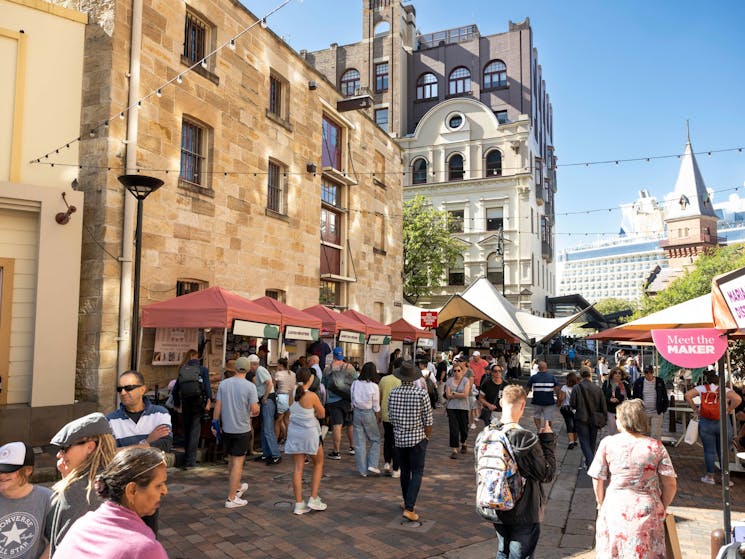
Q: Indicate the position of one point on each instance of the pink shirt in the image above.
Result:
(110, 532)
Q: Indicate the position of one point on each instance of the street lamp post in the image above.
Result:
(500, 251)
(140, 186)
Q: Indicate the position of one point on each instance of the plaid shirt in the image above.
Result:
(409, 411)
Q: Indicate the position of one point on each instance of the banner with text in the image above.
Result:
(691, 348)
(172, 343)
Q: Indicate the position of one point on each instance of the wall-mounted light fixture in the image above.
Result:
(311, 167)
(63, 218)
(312, 85)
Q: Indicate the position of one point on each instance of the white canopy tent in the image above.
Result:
(482, 301)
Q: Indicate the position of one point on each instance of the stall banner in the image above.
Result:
(729, 289)
(255, 329)
(301, 333)
(172, 343)
(378, 339)
(425, 342)
(691, 348)
(351, 337)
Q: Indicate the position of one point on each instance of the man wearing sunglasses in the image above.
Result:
(137, 421)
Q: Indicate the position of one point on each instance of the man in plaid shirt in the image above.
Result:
(410, 413)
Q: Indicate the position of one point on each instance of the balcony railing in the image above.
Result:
(449, 36)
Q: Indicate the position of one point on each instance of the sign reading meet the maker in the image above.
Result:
(690, 347)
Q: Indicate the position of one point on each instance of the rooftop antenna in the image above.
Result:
(688, 131)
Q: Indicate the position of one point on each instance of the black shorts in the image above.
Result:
(236, 444)
(340, 413)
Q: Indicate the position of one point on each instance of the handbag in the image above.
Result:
(598, 418)
(692, 431)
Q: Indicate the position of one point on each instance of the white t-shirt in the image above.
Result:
(567, 390)
(649, 393)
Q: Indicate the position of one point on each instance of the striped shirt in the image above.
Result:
(409, 411)
(543, 388)
(128, 433)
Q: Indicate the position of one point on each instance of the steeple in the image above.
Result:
(690, 197)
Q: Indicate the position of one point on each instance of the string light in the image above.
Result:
(231, 45)
(179, 79)
(159, 93)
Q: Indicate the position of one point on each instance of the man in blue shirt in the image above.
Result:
(544, 388)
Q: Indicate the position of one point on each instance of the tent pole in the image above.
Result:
(139, 351)
(724, 443)
(224, 346)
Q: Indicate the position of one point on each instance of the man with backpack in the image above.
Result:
(338, 378)
(518, 523)
(651, 390)
(193, 393)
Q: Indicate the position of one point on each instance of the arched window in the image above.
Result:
(426, 86)
(419, 171)
(495, 269)
(460, 81)
(350, 82)
(457, 272)
(495, 74)
(382, 28)
(455, 167)
(494, 163)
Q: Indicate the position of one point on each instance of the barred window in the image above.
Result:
(193, 152)
(195, 38)
(276, 189)
(275, 96)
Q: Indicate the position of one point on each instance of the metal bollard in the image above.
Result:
(717, 541)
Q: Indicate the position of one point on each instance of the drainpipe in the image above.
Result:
(125, 281)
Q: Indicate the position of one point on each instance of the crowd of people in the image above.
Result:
(113, 470)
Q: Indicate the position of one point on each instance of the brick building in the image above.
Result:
(268, 189)
(473, 116)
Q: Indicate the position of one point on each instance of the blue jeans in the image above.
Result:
(366, 429)
(412, 470)
(517, 541)
(709, 431)
(587, 435)
(269, 446)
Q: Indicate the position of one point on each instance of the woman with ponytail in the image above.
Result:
(131, 486)
(304, 438)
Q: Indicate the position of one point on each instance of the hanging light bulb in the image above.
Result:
(93, 133)
(263, 23)
(204, 63)
(179, 79)
(231, 45)
(159, 93)
(121, 115)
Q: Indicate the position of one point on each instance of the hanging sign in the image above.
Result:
(351, 337)
(172, 343)
(425, 342)
(731, 289)
(429, 319)
(301, 333)
(376, 339)
(691, 348)
(255, 329)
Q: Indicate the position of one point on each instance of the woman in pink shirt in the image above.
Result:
(132, 486)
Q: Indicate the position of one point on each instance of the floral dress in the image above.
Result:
(631, 521)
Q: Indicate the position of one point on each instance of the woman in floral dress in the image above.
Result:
(641, 485)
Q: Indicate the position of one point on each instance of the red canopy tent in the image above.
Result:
(332, 321)
(213, 307)
(370, 325)
(402, 331)
(497, 333)
(290, 316)
(621, 335)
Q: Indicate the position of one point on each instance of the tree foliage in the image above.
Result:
(611, 305)
(695, 282)
(429, 247)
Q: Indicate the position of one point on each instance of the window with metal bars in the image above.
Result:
(275, 188)
(275, 96)
(195, 38)
(192, 152)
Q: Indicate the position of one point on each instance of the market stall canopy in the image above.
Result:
(482, 301)
(370, 325)
(290, 316)
(413, 314)
(620, 335)
(694, 313)
(213, 307)
(402, 331)
(332, 321)
(497, 333)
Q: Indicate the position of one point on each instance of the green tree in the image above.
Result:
(429, 247)
(695, 282)
(611, 305)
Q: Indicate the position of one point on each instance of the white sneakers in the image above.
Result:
(235, 502)
(387, 468)
(396, 473)
(313, 504)
(373, 470)
(316, 504)
(242, 490)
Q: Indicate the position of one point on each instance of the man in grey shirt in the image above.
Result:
(237, 402)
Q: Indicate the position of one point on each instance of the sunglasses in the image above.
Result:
(64, 449)
(129, 387)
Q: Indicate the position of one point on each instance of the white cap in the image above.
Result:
(475, 354)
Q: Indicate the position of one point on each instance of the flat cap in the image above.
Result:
(90, 425)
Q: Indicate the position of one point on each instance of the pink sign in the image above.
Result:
(690, 347)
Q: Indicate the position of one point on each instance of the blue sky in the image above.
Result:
(623, 78)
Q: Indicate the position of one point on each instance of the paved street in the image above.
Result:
(363, 518)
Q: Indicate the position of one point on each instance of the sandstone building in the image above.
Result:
(474, 118)
(269, 187)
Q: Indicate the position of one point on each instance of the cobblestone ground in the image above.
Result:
(363, 518)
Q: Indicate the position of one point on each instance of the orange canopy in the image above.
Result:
(332, 321)
(402, 331)
(370, 325)
(290, 316)
(497, 333)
